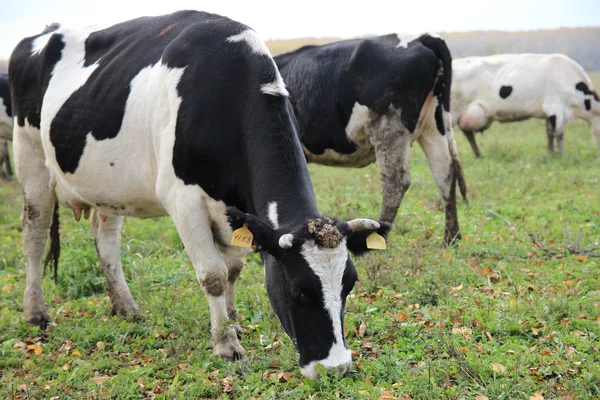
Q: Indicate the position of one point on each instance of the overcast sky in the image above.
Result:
(299, 18)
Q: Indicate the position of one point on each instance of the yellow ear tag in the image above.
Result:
(242, 237)
(375, 241)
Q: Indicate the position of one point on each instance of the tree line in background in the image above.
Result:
(581, 44)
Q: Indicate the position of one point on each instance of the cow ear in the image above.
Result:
(357, 240)
(265, 238)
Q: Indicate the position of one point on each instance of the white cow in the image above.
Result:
(514, 87)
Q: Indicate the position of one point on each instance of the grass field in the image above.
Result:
(492, 317)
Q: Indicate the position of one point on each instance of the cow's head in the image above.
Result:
(308, 275)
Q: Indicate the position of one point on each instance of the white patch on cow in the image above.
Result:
(275, 88)
(68, 75)
(272, 213)
(253, 40)
(405, 39)
(258, 46)
(38, 44)
(355, 129)
(329, 266)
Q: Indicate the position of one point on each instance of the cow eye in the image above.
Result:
(302, 299)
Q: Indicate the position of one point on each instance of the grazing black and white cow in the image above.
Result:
(515, 87)
(357, 101)
(5, 127)
(183, 115)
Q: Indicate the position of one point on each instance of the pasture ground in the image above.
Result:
(492, 317)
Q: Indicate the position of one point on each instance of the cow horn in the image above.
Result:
(361, 224)
(286, 241)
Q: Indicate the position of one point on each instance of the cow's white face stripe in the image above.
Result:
(273, 216)
(329, 266)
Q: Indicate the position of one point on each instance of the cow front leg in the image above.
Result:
(437, 150)
(471, 138)
(106, 231)
(234, 268)
(391, 150)
(186, 207)
(39, 202)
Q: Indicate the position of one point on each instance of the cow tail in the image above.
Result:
(442, 90)
(54, 250)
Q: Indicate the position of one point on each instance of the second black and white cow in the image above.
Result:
(515, 87)
(183, 115)
(357, 101)
(5, 127)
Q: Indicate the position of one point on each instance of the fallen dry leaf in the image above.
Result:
(581, 258)
(22, 345)
(480, 397)
(362, 329)
(536, 396)
(100, 379)
(576, 332)
(403, 317)
(498, 367)
(486, 271)
(570, 282)
(464, 330)
(274, 364)
(34, 348)
(77, 353)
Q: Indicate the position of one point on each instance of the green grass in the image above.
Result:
(491, 317)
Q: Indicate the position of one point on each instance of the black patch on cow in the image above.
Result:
(439, 119)
(27, 69)
(583, 87)
(325, 82)
(505, 91)
(552, 121)
(588, 104)
(5, 94)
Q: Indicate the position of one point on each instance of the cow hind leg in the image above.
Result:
(39, 202)
(437, 151)
(184, 204)
(392, 143)
(106, 231)
(6, 171)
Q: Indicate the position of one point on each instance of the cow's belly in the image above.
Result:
(363, 156)
(113, 176)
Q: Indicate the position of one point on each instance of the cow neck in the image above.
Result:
(278, 173)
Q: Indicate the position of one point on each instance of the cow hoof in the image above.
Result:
(452, 240)
(228, 346)
(40, 319)
(126, 310)
(230, 353)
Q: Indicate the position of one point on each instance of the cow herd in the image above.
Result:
(188, 115)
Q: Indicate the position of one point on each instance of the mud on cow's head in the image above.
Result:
(308, 276)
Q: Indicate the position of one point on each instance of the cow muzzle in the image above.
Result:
(340, 358)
